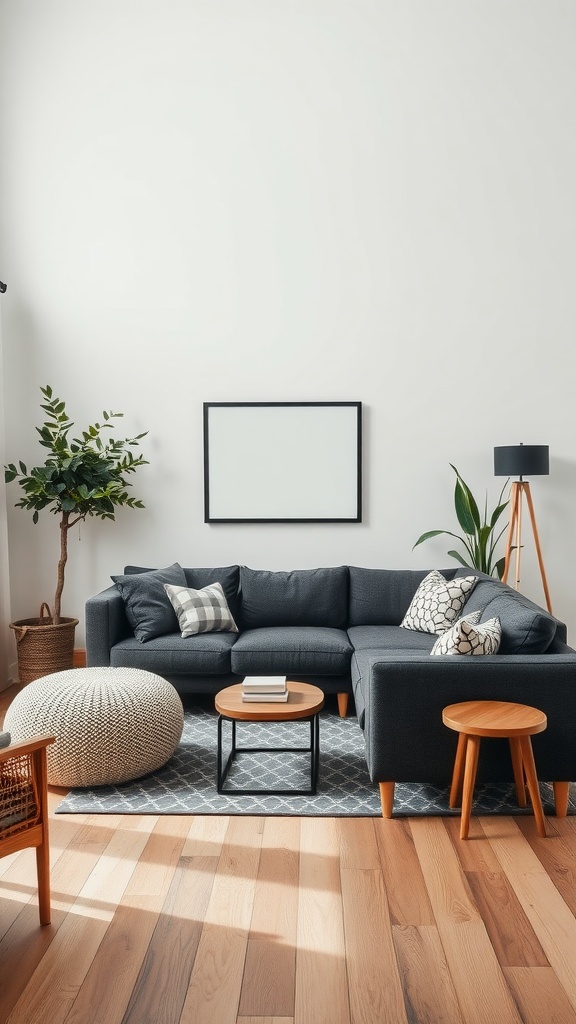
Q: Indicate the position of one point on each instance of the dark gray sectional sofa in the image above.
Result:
(339, 628)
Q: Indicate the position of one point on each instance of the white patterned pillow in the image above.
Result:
(201, 611)
(470, 636)
(437, 603)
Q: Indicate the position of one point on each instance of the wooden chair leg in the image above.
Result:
(387, 798)
(532, 783)
(516, 754)
(43, 850)
(458, 773)
(472, 751)
(342, 704)
(561, 794)
(43, 871)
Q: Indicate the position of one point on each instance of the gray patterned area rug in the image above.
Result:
(187, 783)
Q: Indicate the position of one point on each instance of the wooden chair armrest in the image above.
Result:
(22, 747)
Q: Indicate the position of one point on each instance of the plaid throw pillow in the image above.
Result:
(470, 636)
(201, 611)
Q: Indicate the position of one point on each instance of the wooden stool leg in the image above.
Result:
(387, 798)
(458, 773)
(561, 794)
(519, 782)
(532, 783)
(472, 751)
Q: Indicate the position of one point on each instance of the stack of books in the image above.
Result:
(264, 688)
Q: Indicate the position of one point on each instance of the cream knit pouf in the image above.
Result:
(111, 724)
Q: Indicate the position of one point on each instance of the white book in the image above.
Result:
(265, 698)
(268, 684)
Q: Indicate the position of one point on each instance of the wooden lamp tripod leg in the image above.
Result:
(537, 543)
(514, 506)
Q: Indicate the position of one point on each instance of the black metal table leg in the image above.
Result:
(313, 749)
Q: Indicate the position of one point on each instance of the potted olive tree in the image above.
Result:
(80, 477)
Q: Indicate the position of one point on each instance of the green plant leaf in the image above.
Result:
(426, 536)
(459, 558)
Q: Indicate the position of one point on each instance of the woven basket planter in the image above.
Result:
(42, 647)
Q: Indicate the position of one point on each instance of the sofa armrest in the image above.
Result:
(106, 625)
(404, 696)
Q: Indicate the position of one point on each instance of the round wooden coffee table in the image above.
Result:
(474, 719)
(304, 704)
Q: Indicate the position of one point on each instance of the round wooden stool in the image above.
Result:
(515, 722)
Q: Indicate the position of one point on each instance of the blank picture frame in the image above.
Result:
(282, 462)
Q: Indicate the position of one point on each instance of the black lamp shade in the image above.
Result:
(522, 460)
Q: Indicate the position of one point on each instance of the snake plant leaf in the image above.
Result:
(465, 504)
(497, 513)
(499, 567)
(459, 558)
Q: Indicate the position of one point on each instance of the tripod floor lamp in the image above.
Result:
(522, 460)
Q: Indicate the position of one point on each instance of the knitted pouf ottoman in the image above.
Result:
(111, 724)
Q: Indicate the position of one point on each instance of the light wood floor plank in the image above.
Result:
(216, 980)
(477, 977)
(550, 917)
(321, 981)
(265, 1020)
(269, 972)
(409, 903)
(429, 993)
(510, 931)
(539, 995)
(373, 976)
(555, 853)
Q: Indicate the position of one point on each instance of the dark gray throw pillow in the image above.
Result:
(148, 607)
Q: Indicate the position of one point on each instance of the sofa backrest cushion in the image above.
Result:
(381, 597)
(303, 597)
(148, 609)
(526, 628)
(227, 575)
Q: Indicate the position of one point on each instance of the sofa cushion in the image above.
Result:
(204, 654)
(470, 637)
(526, 628)
(381, 597)
(437, 603)
(390, 638)
(148, 608)
(227, 575)
(292, 650)
(304, 597)
(201, 611)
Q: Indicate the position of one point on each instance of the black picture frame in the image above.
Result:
(282, 462)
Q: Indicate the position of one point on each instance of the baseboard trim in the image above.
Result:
(79, 657)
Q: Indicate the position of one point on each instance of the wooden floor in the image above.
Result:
(252, 920)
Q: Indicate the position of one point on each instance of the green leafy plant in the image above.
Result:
(480, 538)
(82, 476)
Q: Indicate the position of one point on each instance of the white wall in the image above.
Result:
(291, 200)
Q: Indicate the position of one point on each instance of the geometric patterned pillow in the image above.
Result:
(201, 611)
(437, 603)
(469, 636)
